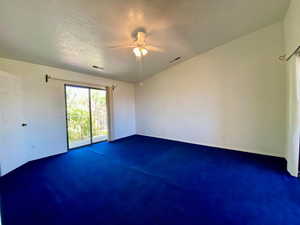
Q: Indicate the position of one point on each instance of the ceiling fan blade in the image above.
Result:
(121, 46)
(154, 49)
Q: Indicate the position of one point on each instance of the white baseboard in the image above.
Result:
(46, 156)
(119, 138)
(27, 161)
(231, 148)
(11, 169)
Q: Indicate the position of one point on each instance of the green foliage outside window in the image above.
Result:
(79, 115)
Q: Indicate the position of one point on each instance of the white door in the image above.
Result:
(12, 149)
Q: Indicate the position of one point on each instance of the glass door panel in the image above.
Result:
(99, 115)
(78, 116)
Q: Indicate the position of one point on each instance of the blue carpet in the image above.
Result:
(148, 181)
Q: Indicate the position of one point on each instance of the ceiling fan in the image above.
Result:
(139, 46)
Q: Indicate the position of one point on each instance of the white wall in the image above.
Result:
(233, 96)
(44, 107)
(12, 151)
(292, 41)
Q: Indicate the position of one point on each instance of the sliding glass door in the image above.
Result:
(99, 115)
(86, 115)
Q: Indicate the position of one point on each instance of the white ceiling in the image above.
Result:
(76, 34)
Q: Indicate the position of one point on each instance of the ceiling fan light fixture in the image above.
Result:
(140, 51)
(144, 51)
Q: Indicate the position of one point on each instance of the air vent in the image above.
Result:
(176, 59)
(98, 67)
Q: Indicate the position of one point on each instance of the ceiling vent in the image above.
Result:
(176, 59)
(98, 67)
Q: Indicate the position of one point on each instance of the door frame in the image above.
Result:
(90, 111)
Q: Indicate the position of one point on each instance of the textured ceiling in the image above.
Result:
(76, 34)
